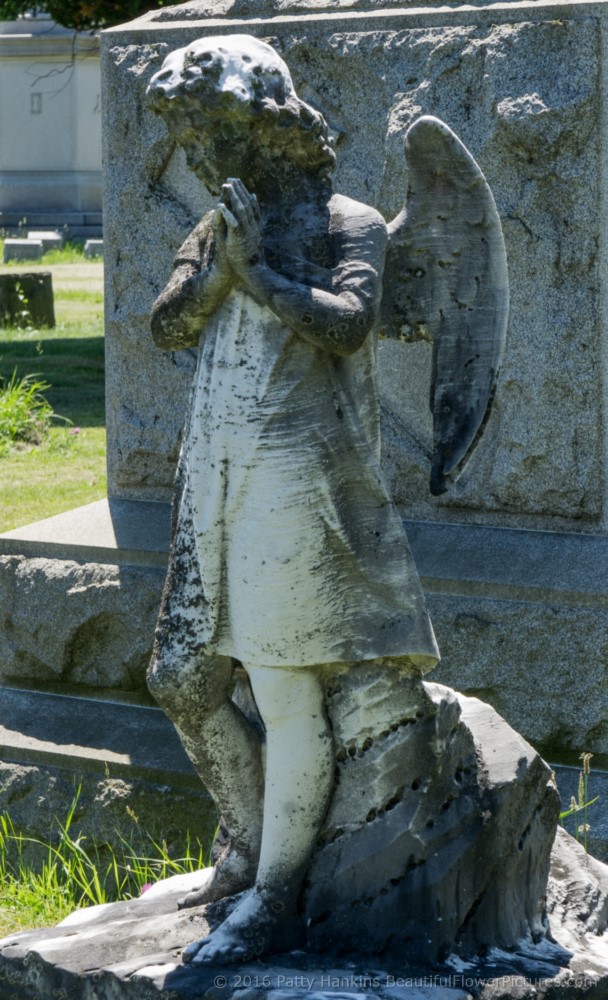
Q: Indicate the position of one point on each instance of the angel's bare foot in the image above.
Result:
(231, 874)
(259, 924)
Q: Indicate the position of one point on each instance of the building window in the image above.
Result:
(36, 104)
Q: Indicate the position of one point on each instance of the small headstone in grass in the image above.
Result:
(93, 248)
(22, 250)
(50, 239)
(27, 300)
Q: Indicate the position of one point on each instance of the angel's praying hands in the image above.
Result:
(288, 555)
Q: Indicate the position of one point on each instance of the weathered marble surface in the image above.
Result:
(476, 869)
(442, 818)
(532, 128)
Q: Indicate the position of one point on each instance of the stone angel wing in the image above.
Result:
(446, 280)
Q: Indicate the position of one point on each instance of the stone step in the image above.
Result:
(106, 531)
(92, 735)
(514, 563)
(122, 764)
(139, 742)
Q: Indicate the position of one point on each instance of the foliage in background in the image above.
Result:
(22, 318)
(25, 414)
(82, 15)
(75, 872)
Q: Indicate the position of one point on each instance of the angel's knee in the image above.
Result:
(183, 682)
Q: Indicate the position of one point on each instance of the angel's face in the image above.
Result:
(206, 93)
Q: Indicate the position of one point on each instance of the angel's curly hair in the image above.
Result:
(285, 126)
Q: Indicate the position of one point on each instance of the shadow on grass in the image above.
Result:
(73, 367)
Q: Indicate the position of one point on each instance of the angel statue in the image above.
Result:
(288, 556)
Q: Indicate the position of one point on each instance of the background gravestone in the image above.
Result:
(510, 94)
(27, 299)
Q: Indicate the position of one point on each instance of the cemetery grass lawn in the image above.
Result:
(24, 917)
(68, 469)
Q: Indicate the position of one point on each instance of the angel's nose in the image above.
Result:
(237, 85)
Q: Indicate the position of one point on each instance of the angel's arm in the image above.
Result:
(337, 320)
(200, 281)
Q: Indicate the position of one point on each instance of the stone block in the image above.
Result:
(27, 300)
(93, 248)
(542, 666)
(37, 797)
(22, 250)
(521, 619)
(103, 566)
(520, 616)
(50, 240)
(79, 628)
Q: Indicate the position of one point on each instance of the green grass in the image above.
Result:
(68, 468)
(76, 295)
(75, 873)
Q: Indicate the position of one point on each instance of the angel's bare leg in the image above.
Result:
(194, 691)
(299, 779)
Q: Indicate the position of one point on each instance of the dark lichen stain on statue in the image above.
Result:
(289, 558)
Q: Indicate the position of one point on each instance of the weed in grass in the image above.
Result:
(75, 872)
(582, 802)
(25, 414)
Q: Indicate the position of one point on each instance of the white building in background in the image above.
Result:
(50, 127)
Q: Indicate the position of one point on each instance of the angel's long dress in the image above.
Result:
(301, 554)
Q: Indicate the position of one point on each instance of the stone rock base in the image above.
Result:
(440, 828)
(131, 951)
(436, 860)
